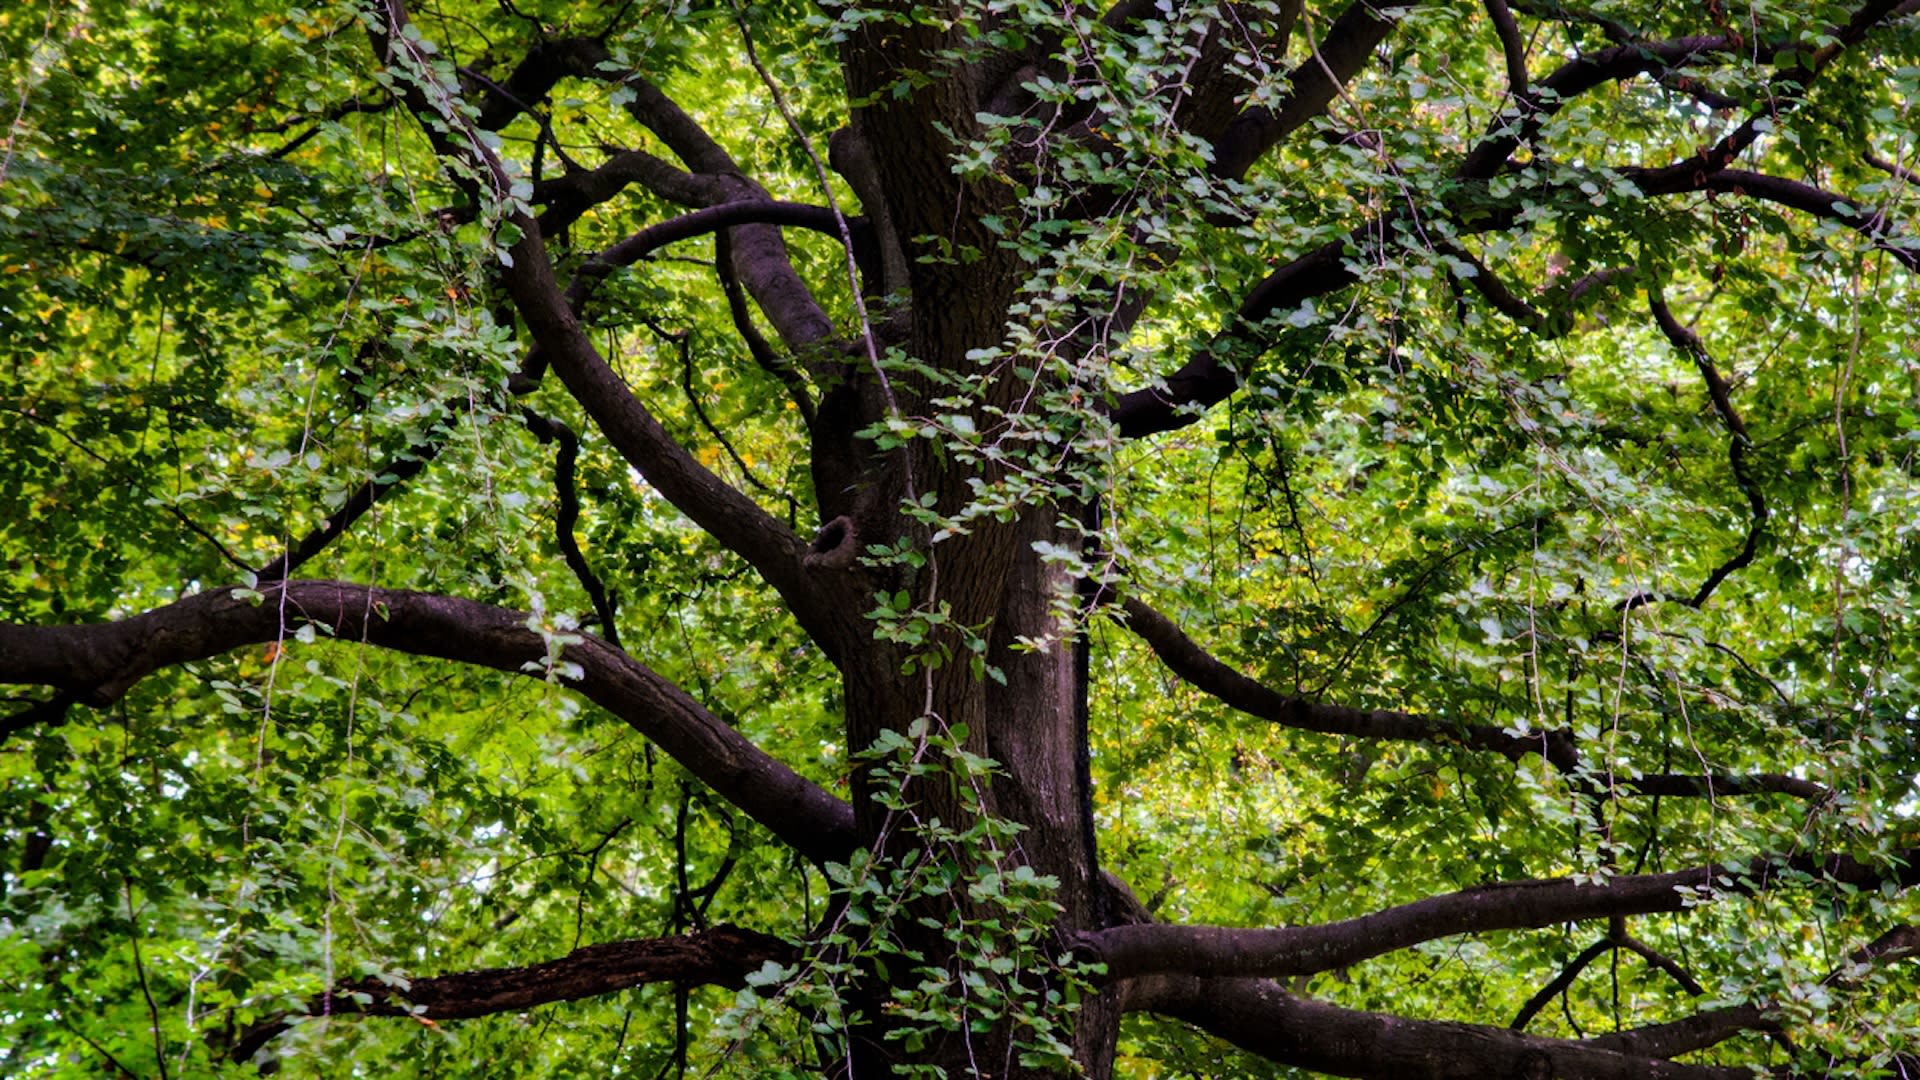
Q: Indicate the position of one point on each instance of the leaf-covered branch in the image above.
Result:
(730, 516)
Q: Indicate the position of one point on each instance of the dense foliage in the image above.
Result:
(987, 538)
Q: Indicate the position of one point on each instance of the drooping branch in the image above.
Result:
(1199, 668)
(724, 955)
(98, 663)
(1739, 444)
(1157, 949)
(605, 604)
(1263, 1019)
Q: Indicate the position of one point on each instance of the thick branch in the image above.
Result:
(1259, 1017)
(1684, 1036)
(1130, 951)
(1684, 785)
(1194, 664)
(1871, 223)
(100, 662)
(1314, 84)
(723, 955)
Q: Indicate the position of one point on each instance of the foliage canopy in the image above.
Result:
(982, 538)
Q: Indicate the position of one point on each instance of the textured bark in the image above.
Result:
(722, 956)
(100, 662)
(1261, 1018)
(1304, 950)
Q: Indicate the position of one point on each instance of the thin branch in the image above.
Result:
(1663, 962)
(398, 469)
(1739, 444)
(770, 362)
(605, 605)
(1681, 785)
(331, 116)
(1893, 169)
(99, 662)
(1561, 982)
(1192, 663)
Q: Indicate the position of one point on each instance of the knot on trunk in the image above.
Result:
(834, 546)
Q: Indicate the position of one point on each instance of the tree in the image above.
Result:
(1009, 538)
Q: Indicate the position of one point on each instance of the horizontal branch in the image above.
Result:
(1155, 949)
(712, 219)
(723, 956)
(1195, 665)
(1871, 223)
(1689, 785)
(1259, 1017)
(99, 662)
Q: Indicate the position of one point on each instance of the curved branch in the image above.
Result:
(1871, 223)
(1512, 47)
(99, 662)
(1348, 45)
(732, 518)
(1739, 444)
(1132, 951)
(1259, 1017)
(605, 604)
(723, 956)
(1192, 663)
